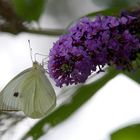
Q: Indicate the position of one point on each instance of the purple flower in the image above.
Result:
(67, 63)
(123, 49)
(90, 44)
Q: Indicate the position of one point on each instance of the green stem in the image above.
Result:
(50, 32)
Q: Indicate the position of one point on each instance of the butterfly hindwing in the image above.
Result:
(10, 95)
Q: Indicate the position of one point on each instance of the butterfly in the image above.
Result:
(30, 91)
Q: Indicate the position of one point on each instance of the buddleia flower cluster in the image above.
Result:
(89, 45)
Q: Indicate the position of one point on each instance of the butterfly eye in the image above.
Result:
(16, 94)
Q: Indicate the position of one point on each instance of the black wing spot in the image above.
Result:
(16, 94)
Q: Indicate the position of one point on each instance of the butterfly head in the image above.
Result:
(37, 66)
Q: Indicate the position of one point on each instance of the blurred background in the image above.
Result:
(95, 116)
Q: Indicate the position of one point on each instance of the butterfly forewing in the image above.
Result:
(43, 99)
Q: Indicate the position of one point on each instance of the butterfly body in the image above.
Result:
(30, 91)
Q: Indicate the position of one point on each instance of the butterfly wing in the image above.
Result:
(10, 95)
(30, 92)
(43, 99)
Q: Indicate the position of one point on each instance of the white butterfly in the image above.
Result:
(30, 91)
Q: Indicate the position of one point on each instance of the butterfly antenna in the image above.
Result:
(31, 51)
(45, 60)
(35, 56)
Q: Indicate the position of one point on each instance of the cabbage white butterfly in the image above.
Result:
(30, 91)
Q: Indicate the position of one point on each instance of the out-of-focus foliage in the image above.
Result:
(9, 120)
(116, 3)
(131, 132)
(109, 11)
(29, 9)
(9, 20)
(14, 23)
(82, 95)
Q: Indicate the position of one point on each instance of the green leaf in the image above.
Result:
(29, 9)
(82, 95)
(135, 75)
(115, 3)
(131, 132)
(110, 11)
